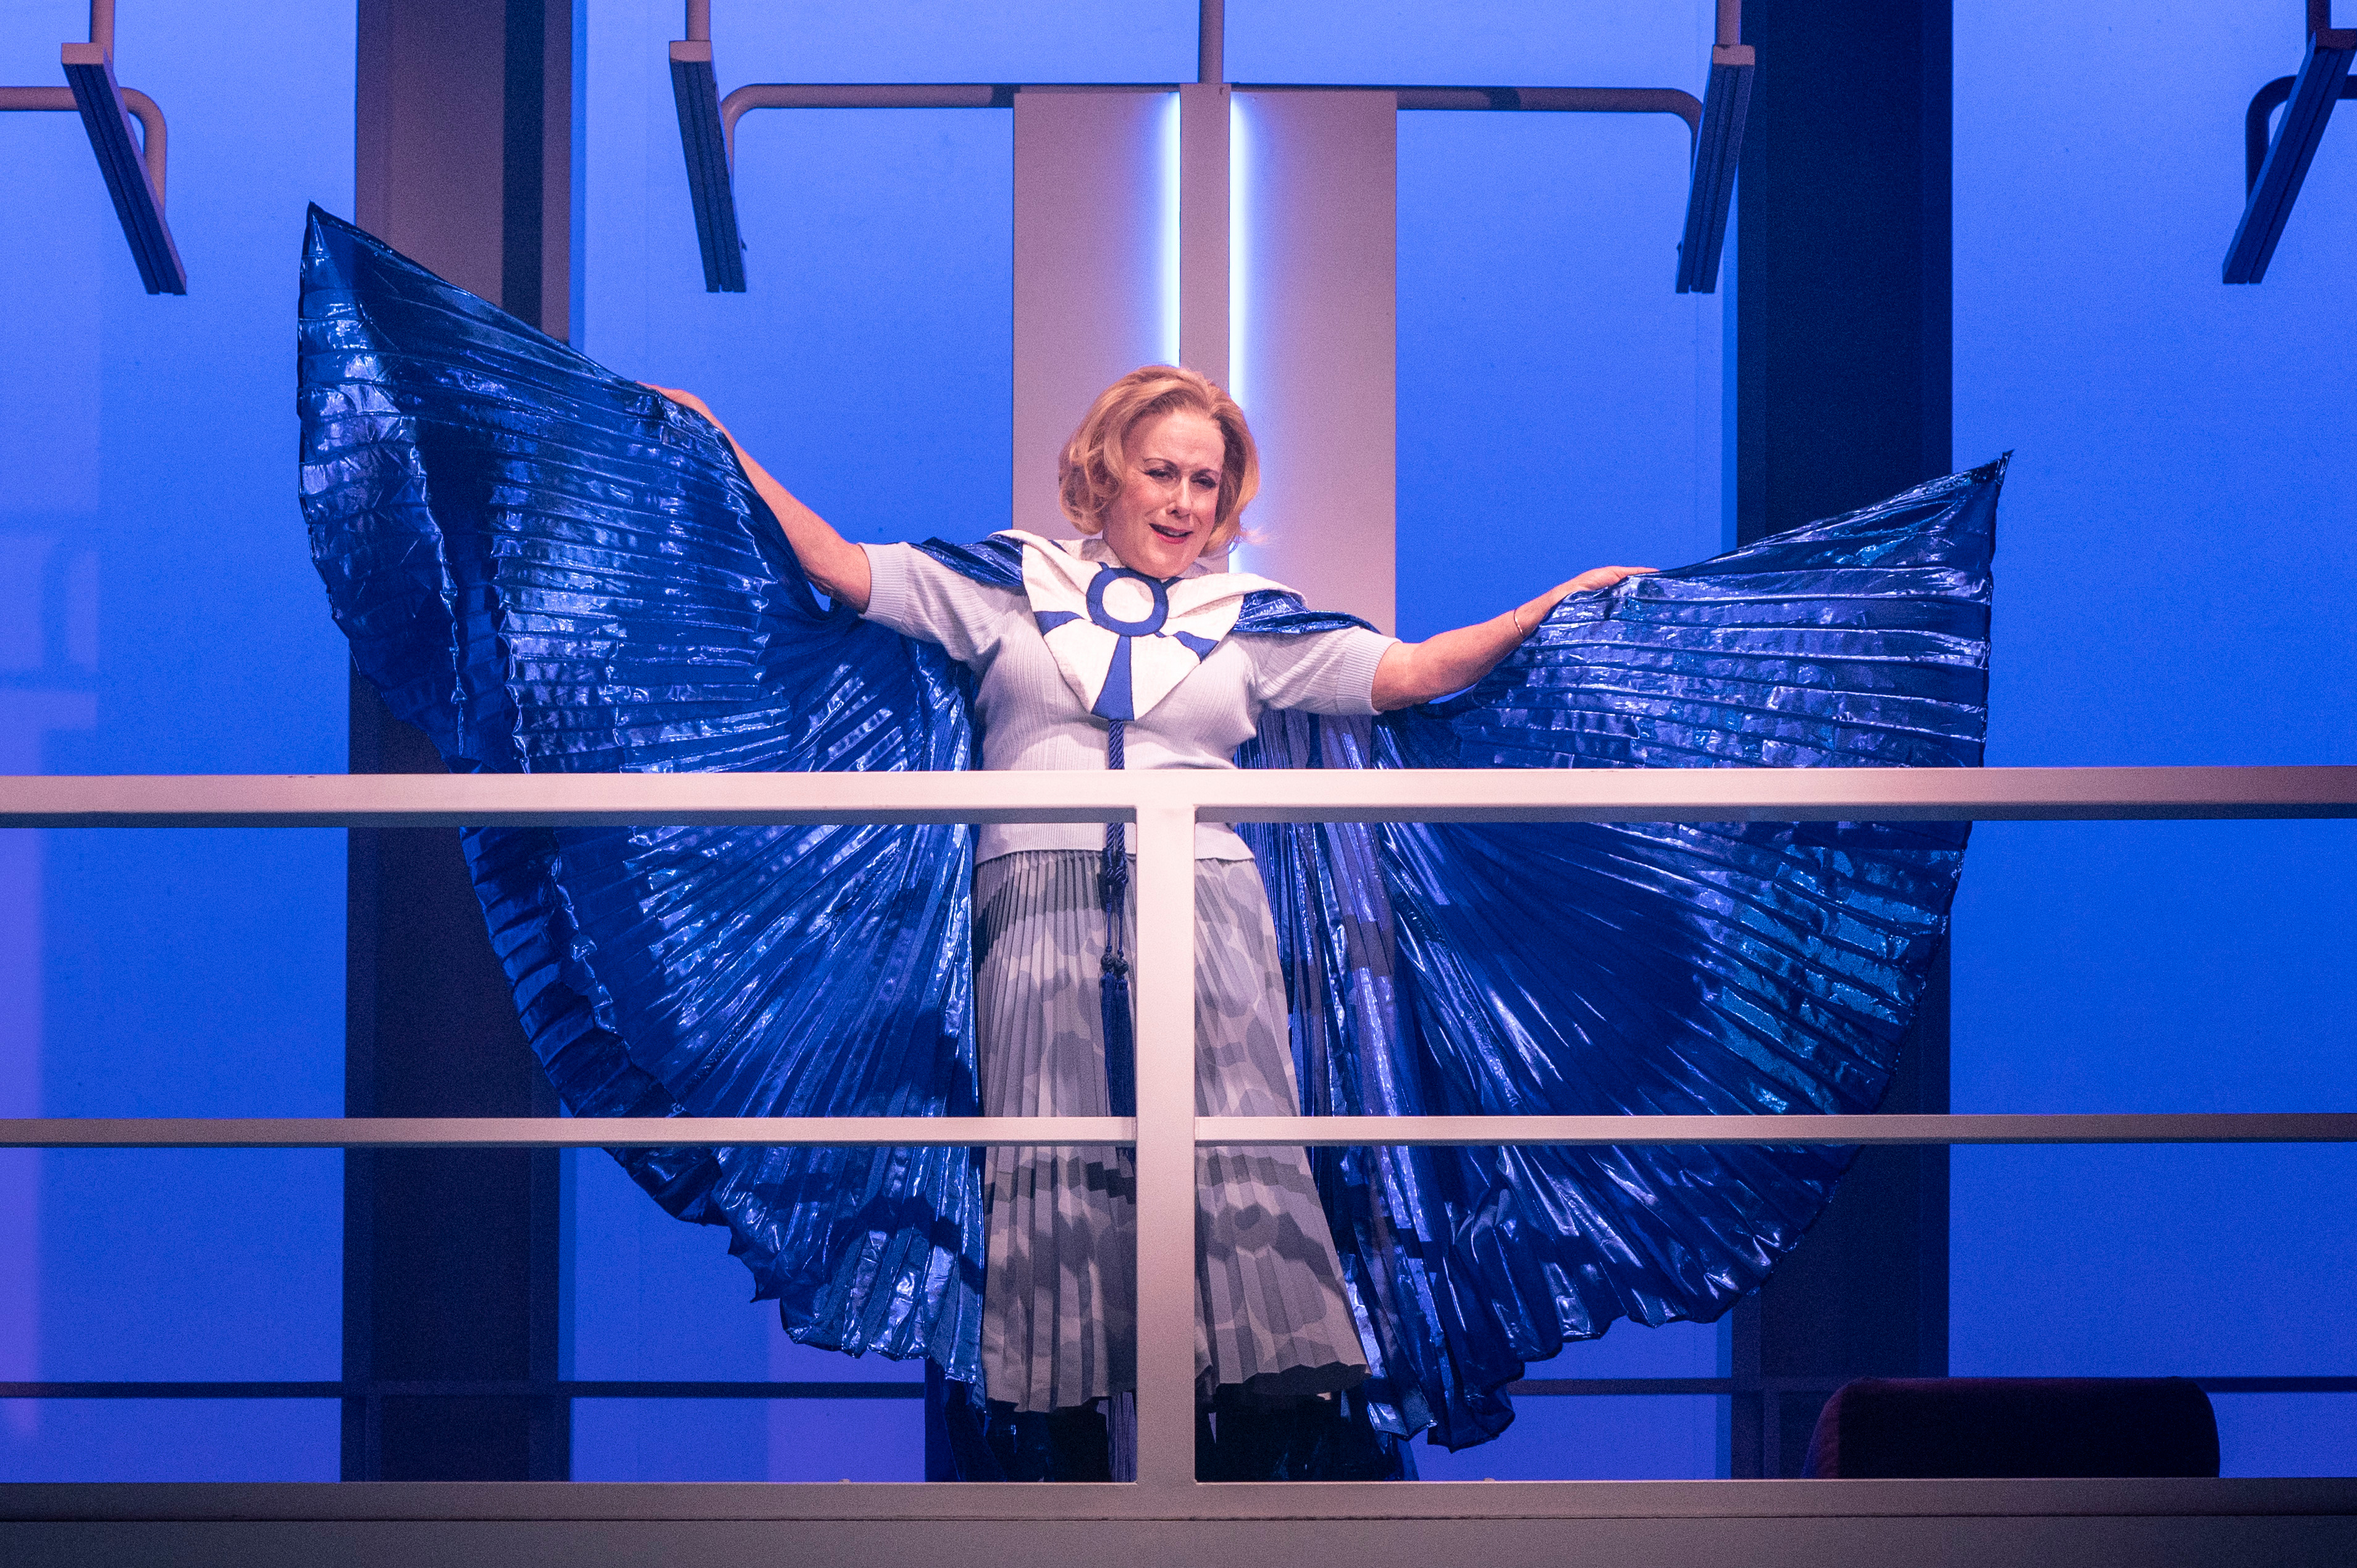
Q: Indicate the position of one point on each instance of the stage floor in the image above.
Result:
(1692, 1524)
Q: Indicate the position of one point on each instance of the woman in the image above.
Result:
(1156, 476)
(551, 569)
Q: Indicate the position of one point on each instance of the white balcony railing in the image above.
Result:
(1166, 806)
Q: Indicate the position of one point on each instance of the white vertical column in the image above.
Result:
(1165, 957)
(1317, 177)
(1093, 293)
(1204, 257)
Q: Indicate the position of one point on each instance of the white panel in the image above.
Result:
(1315, 340)
(1203, 214)
(1093, 251)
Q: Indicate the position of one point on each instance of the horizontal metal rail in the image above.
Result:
(1223, 1132)
(902, 1388)
(1001, 95)
(914, 1388)
(1437, 795)
(1166, 805)
(1352, 1132)
(560, 1132)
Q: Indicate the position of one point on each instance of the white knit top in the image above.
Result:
(1032, 718)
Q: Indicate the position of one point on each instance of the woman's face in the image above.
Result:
(1169, 499)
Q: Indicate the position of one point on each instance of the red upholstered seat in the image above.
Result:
(2015, 1426)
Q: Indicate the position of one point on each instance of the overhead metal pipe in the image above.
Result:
(857, 95)
(2258, 125)
(1552, 101)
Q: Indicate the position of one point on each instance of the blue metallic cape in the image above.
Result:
(550, 568)
(1574, 969)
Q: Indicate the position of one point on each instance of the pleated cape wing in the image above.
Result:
(550, 568)
(1670, 969)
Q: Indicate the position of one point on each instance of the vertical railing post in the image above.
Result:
(1164, 960)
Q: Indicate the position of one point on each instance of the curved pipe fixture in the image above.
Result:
(2274, 168)
(134, 170)
(707, 127)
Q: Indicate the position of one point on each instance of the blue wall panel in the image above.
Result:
(1492, 43)
(2175, 584)
(1559, 404)
(164, 617)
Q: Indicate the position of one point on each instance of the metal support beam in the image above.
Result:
(1717, 144)
(451, 1260)
(705, 144)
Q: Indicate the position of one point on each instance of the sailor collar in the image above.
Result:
(1124, 640)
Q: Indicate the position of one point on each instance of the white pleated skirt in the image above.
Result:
(1059, 1307)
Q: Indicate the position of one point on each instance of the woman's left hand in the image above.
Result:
(1603, 577)
(1452, 661)
(686, 400)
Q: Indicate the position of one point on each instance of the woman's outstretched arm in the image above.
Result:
(1413, 672)
(835, 566)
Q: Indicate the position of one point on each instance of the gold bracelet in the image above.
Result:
(1515, 615)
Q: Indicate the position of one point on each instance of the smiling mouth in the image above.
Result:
(1171, 533)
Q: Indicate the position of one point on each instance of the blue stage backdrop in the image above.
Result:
(158, 615)
(2176, 586)
(2175, 583)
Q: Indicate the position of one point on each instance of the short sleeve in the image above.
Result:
(1318, 671)
(917, 597)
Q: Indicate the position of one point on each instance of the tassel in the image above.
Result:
(1121, 1050)
(1113, 991)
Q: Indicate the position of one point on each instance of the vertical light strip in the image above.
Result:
(1239, 257)
(1167, 338)
(1239, 247)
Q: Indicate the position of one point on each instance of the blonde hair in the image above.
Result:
(1095, 462)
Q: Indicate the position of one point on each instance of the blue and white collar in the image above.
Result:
(1123, 640)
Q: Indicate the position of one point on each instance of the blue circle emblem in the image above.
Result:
(1105, 578)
